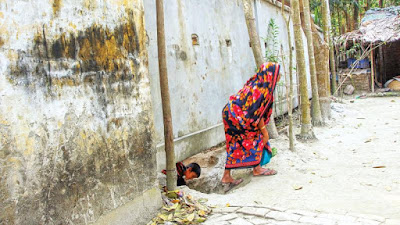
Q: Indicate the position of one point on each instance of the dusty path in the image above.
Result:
(336, 173)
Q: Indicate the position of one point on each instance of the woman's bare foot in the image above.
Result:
(227, 178)
(259, 171)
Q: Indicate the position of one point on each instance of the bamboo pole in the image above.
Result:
(315, 106)
(306, 127)
(259, 59)
(289, 86)
(166, 106)
(372, 72)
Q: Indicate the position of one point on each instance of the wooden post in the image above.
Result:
(166, 106)
(372, 72)
(384, 64)
(381, 66)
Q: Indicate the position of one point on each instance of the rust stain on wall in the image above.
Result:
(56, 6)
(90, 4)
(95, 49)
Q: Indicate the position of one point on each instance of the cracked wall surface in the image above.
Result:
(76, 124)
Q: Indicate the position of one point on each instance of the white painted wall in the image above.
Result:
(202, 77)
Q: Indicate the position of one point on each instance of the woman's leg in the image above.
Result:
(227, 178)
(258, 171)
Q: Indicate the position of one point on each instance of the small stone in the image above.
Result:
(282, 216)
(253, 211)
(240, 221)
(349, 90)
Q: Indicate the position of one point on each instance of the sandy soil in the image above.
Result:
(336, 172)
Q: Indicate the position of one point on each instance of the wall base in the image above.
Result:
(136, 212)
(192, 144)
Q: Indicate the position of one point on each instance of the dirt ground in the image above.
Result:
(336, 173)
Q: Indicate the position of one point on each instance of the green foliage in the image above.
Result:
(315, 8)
(339, 7)
(271, 41)
(354, 51)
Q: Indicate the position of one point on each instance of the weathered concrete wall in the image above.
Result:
(200, 76)
(265, 11)
(76, 125)
(203, 76)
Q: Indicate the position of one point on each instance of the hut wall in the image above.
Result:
(360, 79)
(392, 59)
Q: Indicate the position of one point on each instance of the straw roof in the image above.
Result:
(378, 25)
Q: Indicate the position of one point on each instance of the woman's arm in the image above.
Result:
(263, 127)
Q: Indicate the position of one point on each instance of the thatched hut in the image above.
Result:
(380, 31)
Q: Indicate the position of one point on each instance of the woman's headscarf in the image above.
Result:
(255, 99)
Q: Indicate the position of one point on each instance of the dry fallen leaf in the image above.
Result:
(201, 219)
(172, 194)
(202, 200)
(178, 220)
(297, 187)
(163, 216)
(190, 217)
(181, 209)
(202, 213)
(379, 167)
(170, 217)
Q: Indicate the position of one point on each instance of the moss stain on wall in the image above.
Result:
(56, 6)
(94, 49)
(90, 4)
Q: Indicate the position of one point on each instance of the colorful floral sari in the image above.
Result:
(244, 140)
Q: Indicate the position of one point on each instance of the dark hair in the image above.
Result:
(195, 168)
